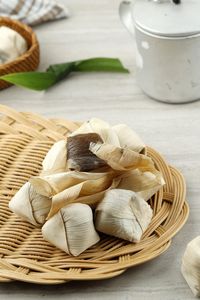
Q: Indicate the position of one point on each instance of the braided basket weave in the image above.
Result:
(29, 61)
(25, 139)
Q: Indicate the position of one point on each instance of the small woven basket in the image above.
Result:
(25, 139)
(29, 61)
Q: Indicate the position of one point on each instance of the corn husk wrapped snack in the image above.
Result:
(191, 265)
(71, 229)
(34, 206)
(87, 169)
(30, 205)
(123, 214)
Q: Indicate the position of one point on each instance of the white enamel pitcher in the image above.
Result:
(167, 34)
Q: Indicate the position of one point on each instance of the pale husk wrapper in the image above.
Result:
(71, 229)
(87, 192)
(74, 195)
(122, 213)
(30, 205)
(191, 265)
(53, 184)
(55, 160)
(141, 175)
(145, 184)
(120, 159)
(128, 138)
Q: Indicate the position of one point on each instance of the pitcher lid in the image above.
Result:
(165, 18)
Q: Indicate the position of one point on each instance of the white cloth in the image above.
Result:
(33, 12)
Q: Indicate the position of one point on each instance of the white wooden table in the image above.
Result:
(93, 30)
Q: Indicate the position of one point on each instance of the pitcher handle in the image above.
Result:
(125, 15)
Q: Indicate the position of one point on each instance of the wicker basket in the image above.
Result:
(25, 138)
(29, 61)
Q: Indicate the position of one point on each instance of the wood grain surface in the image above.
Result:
(94, 29)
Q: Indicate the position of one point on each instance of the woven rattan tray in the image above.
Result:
(24, 140)
(29, 61)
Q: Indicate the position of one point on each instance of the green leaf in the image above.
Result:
(100, 64)
(61, 70)
(43, 80)
(37, 81)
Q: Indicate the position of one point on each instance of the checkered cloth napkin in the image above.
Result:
(33, 12)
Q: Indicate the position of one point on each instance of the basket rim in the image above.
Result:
(5, 21)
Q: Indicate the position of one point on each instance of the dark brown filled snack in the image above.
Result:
(79, 157)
